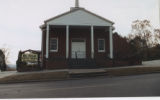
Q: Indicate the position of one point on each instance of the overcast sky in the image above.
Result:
(20, 19)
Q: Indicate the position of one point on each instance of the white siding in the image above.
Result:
(79, 17)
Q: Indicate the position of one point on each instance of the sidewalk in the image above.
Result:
(8, 73)
(154, 63)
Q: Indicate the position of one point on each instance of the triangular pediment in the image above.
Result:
(79, 17)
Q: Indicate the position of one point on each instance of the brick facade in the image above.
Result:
(57, 60)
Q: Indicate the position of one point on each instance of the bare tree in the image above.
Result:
(6, 52)
(143, 30)
(142, 36)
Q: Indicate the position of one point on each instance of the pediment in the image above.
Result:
(79, 17)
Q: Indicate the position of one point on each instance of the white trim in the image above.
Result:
(42, 41)
(47, 41)
(67, 41)
(104, 46)
(57, 45)
(92, 42)
(111, 42)
(79, 24)
(42, 46)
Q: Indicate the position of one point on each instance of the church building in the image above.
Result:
(77, 39)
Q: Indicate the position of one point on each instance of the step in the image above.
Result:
(81, 63)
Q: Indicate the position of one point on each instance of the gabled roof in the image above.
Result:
(76, 9)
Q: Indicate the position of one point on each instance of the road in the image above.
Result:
(126, 86)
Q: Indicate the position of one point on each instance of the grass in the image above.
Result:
(35, 77)
(132, 71)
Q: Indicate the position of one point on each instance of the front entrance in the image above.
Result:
(78, 49)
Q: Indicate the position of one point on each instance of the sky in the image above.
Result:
(20, 19)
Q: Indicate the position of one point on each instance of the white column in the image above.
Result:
(92, 42)
(67, 41)
(47, 42)
(111, 41)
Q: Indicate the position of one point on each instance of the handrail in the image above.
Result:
(78, 54)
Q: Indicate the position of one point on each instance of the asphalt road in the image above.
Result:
(126, 86)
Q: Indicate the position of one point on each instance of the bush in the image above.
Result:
(125, 53)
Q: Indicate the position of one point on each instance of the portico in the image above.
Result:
(92, 41)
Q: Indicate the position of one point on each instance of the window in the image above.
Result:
(101, 45)
(54, 44)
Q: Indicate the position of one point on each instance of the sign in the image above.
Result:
(30, 58)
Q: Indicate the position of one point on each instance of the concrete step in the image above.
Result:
(81, 63)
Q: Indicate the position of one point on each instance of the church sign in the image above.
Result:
(30, 58)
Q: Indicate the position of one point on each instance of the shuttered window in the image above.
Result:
(54, 44)
(101, 45)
